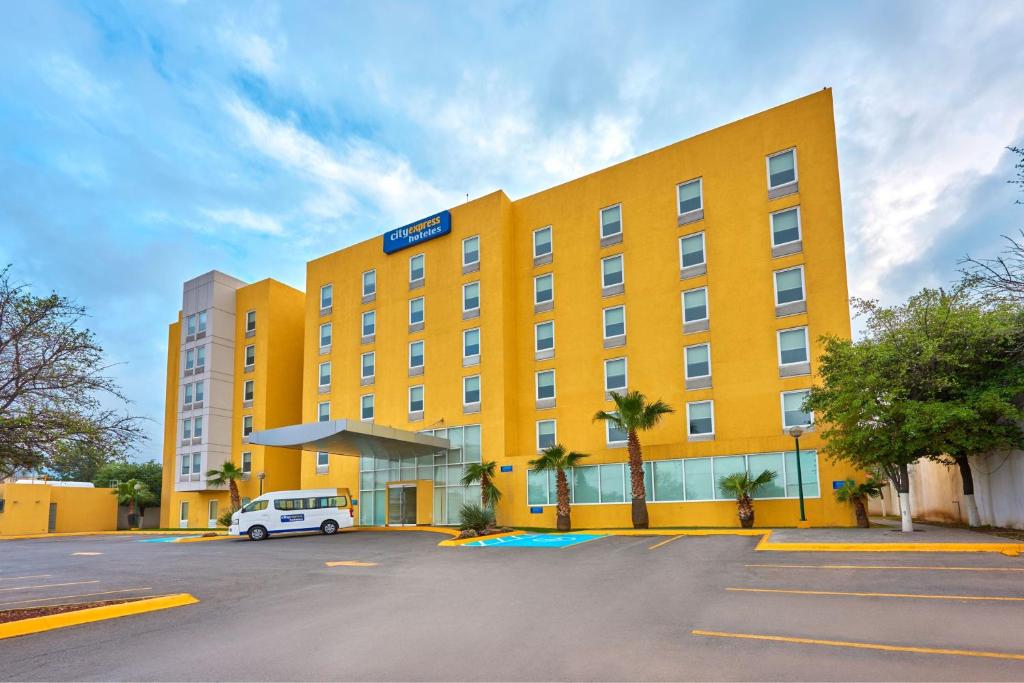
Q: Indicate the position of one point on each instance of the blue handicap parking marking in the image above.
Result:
(536, 540)
(164, 539)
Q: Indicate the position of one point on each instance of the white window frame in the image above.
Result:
(480, 391)
(703, 249)
(249, 384)
(423, 398)
(707, 304)
(201, 356)
(253, 314)
(423, 277)
(200, 388)
(362, 287)
(190, 325)
(536, 385)
(201, 321)
(190, 359)
(625, 362)
(622, 271)
(479, 342)
(799, 226)
(608, 437)
(700, 182)
(535, 290)
(362, 365)
(319, 407)
(464, 261)
(320, 374)
(551, 241)
(554, 433)
(479, 296)
(362, 406)
(330, 329)
(686, 365)
(536, 337)
(329, 285)
(247, 418)
(803, 285)
(604, 322)
(245, 356)
(693, 403)
(188, 397)
(186, 428)
(782, 408)
(246, 470)
(327, 461)
(423, 354)
(768, 168)
(600, 221)
(807, 344)
(372, 313)
(417, 298)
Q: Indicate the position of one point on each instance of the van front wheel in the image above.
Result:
(257, 533)
(330, 527)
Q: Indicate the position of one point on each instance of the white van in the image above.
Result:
(285, 512)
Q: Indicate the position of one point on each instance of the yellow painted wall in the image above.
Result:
(27, 509)
(170, 425)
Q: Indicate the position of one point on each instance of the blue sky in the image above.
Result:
(144, 143)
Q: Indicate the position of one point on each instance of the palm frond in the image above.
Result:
(742, 485)
(574, 458)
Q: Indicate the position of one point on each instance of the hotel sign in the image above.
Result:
(422, 230)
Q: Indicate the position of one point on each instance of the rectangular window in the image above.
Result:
(691, 250)
(248, 390)
(543, 288)
(190, 359)
(188, 393)
(369, 283)
(250, 321)
(668, 480)
(322, 460)
(723, 467)
(542, 242)
(781, 168)
(197, 463)
(200, 394)
(698, 361)
(471, 250)
(325, 374)
(416, 354)
(585, 484)
(416, 311)
(611, 221)
(773, 462)
(326, 296)
(191, 324)
(201, 324)
(246, 463)
(200, 357)
(471, 342)
(793, 413)
(197, 427)
(615, 375)
(471, 390)
(698, 480)
(786, 226)
(369, 323)
(690, 196)
(695, 305)
(416, 398)
(186, 428)
(367, 368)
(613, 483)
(366, 407)
(545, 384)
(546, 435)
(614, 435)
(246, 425)
(323, 411)
(325, 335)
(611, 271)
(793, 346)
(417, 267)
(700, 418)
(250, 355)
(789, 285)
(470, 297)
(614, 322)
(808, 472)
(544, 336)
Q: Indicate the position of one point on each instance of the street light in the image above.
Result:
(796, 433)
(261, 476)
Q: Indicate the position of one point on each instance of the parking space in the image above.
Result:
(395, 606)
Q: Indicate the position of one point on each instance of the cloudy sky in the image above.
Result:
(143, 143)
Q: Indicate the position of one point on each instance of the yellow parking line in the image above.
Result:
(665, 542)
(862, 646)
(48, 585)
(350, 563)
(882, 566)
(80, 595)
(881, 595)
(31, 576)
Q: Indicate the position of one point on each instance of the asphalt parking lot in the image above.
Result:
(616, 608)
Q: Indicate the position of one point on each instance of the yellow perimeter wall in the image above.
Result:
(27, 509)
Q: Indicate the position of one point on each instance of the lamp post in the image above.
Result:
(796, 433)
(261, 476)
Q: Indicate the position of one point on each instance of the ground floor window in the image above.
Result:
(683, 480)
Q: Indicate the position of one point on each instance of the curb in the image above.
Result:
(85, 616)
(455, 542)
(64, 534)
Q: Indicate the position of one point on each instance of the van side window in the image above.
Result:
(255, 506)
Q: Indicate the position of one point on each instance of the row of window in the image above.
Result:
(194, 392)
(192, 427)
(195, 359)
(195, 324)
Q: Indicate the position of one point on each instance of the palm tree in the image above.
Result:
(743, 487)
(128, 495)
(557, 459)
(228, 474)
(634, 414)
(483, 472)
(858, 494)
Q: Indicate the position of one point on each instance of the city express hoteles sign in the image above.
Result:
(422, 230)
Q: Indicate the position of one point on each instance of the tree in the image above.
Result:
(634, 414)
(228, 475)
(483, 472)
(79, 462)
(857, 495)
(128, 495)
(744, 487)
(557, 459)
(149, 473)
(54, 386)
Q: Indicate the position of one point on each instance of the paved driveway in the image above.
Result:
(614, 608)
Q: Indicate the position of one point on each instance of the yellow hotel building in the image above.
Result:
(702, 273)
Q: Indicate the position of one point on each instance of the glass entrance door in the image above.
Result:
(401, 504)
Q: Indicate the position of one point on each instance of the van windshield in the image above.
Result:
(255, 506)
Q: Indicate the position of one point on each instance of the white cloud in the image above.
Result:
(255, 51)
(245, 219)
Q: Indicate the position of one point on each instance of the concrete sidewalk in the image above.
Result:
(884, 531)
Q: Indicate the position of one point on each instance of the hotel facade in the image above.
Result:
(704, 274)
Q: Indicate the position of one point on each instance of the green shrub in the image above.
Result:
(475, 516)
(225, 518)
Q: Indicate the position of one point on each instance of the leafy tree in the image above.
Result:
(54, 384)
(228, 475)
(79, 462)
(557, 459)
(149, 473)
(483, 472)
(128, 495)
(857, 495)
(744, 487)
(633, 414)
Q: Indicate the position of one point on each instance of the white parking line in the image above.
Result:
(49, 585)
(30, 576)
(80, 595)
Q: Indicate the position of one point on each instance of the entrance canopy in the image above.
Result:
(350, 437)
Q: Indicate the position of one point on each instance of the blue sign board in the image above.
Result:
(422, 230)
(295, 517)
(837, 484)
(506, 468)
(536, 510)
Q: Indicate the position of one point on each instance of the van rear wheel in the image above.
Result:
(257, 533)
(330, 527)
